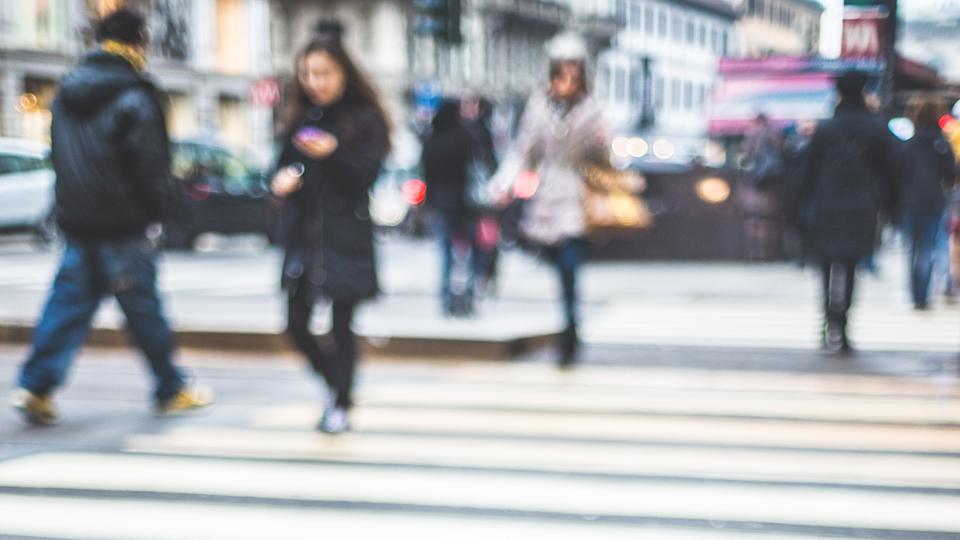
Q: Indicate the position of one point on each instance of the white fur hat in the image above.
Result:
(567, 46)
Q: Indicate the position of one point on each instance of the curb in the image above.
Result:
(395, 346)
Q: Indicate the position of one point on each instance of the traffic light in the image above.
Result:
(438, 18)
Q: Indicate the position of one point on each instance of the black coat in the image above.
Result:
(851, 176)
(329, 236)
(110, 151)
(446, 154)
(930, 166)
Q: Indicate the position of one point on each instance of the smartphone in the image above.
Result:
(308, 133)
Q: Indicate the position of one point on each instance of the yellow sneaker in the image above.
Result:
(187, 400)
(36, 409)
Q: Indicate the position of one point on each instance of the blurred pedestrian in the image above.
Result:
(930, 169)
(850, 178)
(561, 132)
(761, 190)
(111, 156)
(336, 136)
(476, 112)
(796, 147)
(447, 155)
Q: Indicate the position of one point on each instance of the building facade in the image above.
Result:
(779, 27)
(205, 56)
(657, 79)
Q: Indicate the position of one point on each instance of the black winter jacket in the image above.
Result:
(446, 154)
(930, 167)
(110, 151)
(329, 233)
(852, 175)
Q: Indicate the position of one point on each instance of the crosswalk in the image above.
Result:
(468, 450)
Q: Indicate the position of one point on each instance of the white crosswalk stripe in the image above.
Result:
(521, 451)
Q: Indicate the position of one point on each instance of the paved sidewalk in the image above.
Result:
(228, 298)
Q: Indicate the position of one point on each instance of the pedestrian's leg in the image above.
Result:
(346, 362)
(568, 263)
(850, 280)
(132, 277)
(65, 322)
(299, 313)
(925, 247)
(446, 262)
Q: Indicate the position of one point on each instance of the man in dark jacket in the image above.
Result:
(111, 156)
(851, 178)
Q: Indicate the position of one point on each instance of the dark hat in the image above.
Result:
(851, 83)
(125, 25)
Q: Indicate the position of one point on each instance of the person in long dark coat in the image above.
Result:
(930, 169)
(335, 142)
(850, 178)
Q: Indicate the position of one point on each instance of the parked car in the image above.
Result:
(26, 189)
(222, 194)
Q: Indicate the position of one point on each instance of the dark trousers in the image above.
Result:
(838, 282)
(336, 367)
(88, 272)
(566, 258)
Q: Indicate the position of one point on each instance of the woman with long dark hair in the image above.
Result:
(336, 136)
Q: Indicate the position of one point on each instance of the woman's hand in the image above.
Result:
(318, 146)
(287, 180)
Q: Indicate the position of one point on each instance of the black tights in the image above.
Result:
(337, 368)
(838, 282)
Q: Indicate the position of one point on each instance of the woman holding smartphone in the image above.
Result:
(336, 138)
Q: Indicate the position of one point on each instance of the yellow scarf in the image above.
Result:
(127, 52)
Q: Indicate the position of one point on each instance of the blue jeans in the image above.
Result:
(921, 229)
(88, 272)
(458, 253)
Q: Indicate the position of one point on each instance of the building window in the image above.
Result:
(725, 46)
(620, 85)
(714, 41)
(232, 39)
(648, 20)
(658, 89)
(662, 23)
(703, 35)
(675, 89)
(691, 32)
(688, 96)
(677, 27)
(751, 7)
(636, 15)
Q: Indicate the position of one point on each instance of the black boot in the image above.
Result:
(569, 345)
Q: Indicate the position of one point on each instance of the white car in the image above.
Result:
(26, 189)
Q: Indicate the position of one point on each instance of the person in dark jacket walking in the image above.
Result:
(930, 169)
(447, 153)
(336, 139)
(850, 178)
(111, 156)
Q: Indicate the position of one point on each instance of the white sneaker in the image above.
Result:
(335, 420)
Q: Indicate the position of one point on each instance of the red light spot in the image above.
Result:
(947, 122)
(200, 192)
(526, 185)
(414, 192)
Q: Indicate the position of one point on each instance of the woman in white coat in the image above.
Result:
(561, 131)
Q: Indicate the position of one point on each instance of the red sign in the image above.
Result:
(265, 92)
(862, 33)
